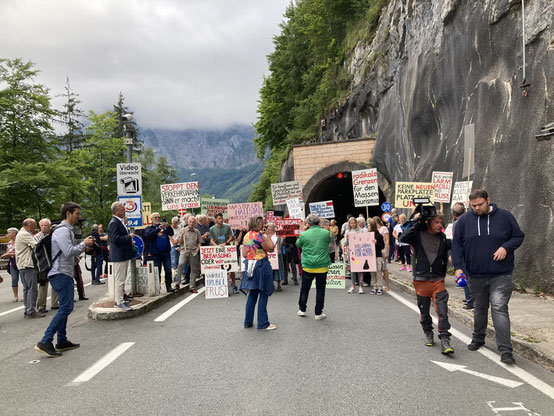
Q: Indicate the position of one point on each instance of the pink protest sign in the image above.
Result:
(240, 213)
(362, 252)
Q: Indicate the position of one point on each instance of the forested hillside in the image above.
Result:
(307, 76)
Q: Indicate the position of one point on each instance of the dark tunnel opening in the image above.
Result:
(338, 188)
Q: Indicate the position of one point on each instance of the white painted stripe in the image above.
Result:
(175, 308)
(23, 307)
(495, 358)
(101, 364)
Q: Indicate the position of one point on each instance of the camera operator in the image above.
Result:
(156, 237)
(431, 259)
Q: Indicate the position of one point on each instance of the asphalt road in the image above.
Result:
(367, 358)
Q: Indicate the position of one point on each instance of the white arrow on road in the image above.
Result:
(462, 368)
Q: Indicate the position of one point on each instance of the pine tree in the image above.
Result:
(71, 117)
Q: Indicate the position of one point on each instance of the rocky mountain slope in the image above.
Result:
(435, 66)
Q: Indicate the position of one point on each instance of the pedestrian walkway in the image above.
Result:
(531, 316)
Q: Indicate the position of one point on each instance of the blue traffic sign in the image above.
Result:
(385, 207)
(138, 247)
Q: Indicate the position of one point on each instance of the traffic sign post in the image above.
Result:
(129, 179)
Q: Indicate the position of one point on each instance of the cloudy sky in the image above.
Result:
(179, 63)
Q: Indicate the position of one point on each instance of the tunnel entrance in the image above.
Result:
(338, 188)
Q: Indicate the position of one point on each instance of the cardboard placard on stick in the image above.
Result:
(282, 191)
(180, 195)
(216, 284)
(362, 252)
(461, 192)
(211, 206)
(442, 183)
(324, 209)
(406, 191)
(288, 227)
(240, 213)
(365, 187)
(219, 258)
(296, 208)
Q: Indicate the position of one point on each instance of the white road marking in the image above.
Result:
(101, 364)
(456, 367)
(522, 374)
(175, 308)
(23, 307)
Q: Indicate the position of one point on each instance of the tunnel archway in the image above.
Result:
(334, 182)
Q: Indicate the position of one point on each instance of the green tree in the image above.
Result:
(70, 117)
(100, 154)
(27, 147)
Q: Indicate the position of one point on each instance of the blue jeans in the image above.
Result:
(497, 292)
(468, 295)
(165, 260)
(320, 282)
(96, 267)
(62, 284)
(174, 257)
(263, 319)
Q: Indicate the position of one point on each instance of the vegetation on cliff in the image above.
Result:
(307, 76)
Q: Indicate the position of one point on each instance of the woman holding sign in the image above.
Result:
(258, 276)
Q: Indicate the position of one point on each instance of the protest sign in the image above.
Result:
(324, 209)
(461, 193)
(296, 208)
(288, 227)
(211, 206)
(216, 284)
(335, 277)
(449, 231)
(282, 191)
(362, 252)
(180, 195)
(366, 190)
(272, 215)
(442, 183)
(219, 258)
(240, 213)
(406, 191)
(273, 260)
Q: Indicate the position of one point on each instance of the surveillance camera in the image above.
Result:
(127, 117)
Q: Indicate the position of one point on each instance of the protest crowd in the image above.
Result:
(268, 251)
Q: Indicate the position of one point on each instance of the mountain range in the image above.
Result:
(222, 161)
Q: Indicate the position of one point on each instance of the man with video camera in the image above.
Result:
(429, 269)
(156, 237)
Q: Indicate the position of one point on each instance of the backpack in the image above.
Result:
(42, 254)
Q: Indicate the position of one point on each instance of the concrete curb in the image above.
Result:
(150, 303)
(525, 349)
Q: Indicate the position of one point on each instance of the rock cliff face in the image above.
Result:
(435, 66)
(231, 148)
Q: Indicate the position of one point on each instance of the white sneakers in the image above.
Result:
(320, 317)
(270, 327)
(361, 290)
(300, 313)
(351, 290)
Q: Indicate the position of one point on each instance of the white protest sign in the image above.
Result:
(405, 192)
(296, 208)
(335, 277)
(129, 179)
(282, 191)
(273, 259)
(240, 213)
(324, 209)
(366, 190)
(442, 182)
(219, 258)
(216, 284)
(449, 231)
(461, 193)
(180, 195)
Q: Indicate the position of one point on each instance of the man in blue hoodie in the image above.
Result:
(483, 247)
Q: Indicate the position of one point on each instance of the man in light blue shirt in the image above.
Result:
(66, 249)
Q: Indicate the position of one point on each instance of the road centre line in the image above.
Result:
(100, 364)
(175, 308)
(495, 358)
(23, 307)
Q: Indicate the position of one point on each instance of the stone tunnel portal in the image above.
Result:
(336, 185)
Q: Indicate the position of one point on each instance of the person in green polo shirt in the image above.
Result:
(314, 243)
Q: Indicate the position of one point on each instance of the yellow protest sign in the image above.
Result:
(406, 191)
